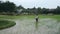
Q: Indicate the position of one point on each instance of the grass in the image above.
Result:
(6, 24)
(29, 16)
(57, 17)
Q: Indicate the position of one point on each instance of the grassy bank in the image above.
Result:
(6, 24)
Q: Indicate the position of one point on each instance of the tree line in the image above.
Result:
(9, 8)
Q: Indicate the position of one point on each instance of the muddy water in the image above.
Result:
(27, 26)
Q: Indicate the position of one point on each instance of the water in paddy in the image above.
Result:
(29, 26)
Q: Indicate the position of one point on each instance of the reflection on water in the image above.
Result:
(28, 26)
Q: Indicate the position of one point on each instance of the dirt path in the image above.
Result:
(27, 26)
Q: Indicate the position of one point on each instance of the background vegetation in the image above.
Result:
(9, 8)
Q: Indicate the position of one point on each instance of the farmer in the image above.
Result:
(36, 18)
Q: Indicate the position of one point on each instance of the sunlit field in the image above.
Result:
(26, 24)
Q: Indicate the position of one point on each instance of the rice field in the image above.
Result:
(26, 24)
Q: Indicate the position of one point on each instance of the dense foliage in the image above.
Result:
(10, 8)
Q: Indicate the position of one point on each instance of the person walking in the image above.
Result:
(36, 24)
(36, 18)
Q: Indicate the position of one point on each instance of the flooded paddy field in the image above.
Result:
(28, 26)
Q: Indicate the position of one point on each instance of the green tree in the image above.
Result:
(20, 7)
(7, 7)
(39, 10)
